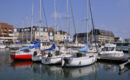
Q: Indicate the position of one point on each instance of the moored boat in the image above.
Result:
(26, 53)
(23, 55)
(79, 59)
(110, 50)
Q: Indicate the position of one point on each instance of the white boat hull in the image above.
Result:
(112, 53)
(37, 58)
(79, 61)
(50, 60)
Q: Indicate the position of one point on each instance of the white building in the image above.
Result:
(45, 34)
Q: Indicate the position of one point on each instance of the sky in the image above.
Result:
(112, 15)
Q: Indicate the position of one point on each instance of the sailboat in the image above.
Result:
(81, 58)
(26, 53)
(75, 44)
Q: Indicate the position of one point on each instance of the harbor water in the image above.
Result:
(28, 70)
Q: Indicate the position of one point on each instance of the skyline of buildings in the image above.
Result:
(50, 34)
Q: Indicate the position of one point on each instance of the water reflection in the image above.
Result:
(27, 70)
(21, 64)
(57, 72)
(4, 58)
(80, 72)
(108, 67)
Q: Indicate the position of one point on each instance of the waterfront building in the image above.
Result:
(102, 36)
(6, 32)
(62, 36)
(46, 34)
(16, 35)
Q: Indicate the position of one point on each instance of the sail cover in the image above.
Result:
(84, 49)
(51, 48)
(34, 46)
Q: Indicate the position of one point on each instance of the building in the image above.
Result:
(16, 35)
(81, 37)
(6, 32)
(62, 36)
(102, 36)
(50, 32)
(45, 34)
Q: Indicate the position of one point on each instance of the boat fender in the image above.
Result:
(43, 53)
(35, 53)
(63, 62)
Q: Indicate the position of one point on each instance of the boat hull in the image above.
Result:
(78, 62)
(47, 60)
(37, 58)
(112, 53)
(21, 57)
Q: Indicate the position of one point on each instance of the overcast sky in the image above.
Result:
(112, 15)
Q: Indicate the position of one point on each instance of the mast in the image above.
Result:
(45, 16)
(76, 41)
(87, 20)
(67, 16)
(31, 23)
(22, 31)
(40, 20)
(93, 26)
(55, 15)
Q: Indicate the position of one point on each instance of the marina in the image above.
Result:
(29, 70)
(60, 40)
